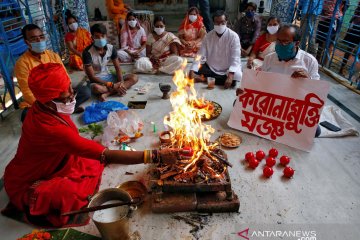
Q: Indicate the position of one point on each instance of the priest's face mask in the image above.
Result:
(66, 102)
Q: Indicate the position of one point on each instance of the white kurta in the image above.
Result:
(302, 61)
(222, 54)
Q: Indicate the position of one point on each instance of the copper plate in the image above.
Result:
(215, 114)
(135, 188)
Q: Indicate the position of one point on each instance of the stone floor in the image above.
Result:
(323, 196)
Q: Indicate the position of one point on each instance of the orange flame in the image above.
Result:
(185, 119)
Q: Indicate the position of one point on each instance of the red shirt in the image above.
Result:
(54, 167)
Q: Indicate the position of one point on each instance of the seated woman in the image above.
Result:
(161, 51)
(77, 39)
(265, 44)
(133, 40)
(55, 170)
(191, 33)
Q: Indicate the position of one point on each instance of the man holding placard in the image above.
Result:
(276, 100)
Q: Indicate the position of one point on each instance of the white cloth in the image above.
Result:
(268, 50)
(333, 115)
(125, 57)
(302, 61)
(222, 54)
(143, 65)
(169, 66)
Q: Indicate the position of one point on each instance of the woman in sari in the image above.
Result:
(77, 39)
(265, 44)
(191, 33)
(161, 51)
(133, 40)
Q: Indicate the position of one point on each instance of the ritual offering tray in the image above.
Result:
(212, 109)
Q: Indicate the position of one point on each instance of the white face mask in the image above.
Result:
(74, 26)
(273, 29)
(132, 23)
(159, 31)
(220, 29)
(192, 18)
(66, 108)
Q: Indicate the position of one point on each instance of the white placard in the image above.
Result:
(280, 108)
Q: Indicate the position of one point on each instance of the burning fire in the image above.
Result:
(185, 121)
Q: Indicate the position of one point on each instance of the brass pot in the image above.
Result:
(119, 228)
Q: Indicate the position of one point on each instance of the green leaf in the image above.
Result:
(71, 234)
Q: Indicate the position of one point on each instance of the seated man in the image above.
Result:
(289, 59)
(34, 56)
(220, 54)
(248, 27)
(55, 169)
(96, 57)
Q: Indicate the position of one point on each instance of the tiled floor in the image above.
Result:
(323, 195)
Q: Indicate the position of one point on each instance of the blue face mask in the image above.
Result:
(38, 47)
(100, 42)
(250, 14)
(285, 52)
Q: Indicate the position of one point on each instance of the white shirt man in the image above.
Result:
(220, 54)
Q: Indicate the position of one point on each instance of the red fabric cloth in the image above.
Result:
(54, 169)
(69, 37)
(47, 81)
(260, 45)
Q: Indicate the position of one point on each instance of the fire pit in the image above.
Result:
(200, 180)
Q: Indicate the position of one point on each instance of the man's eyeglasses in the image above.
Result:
(37, 38)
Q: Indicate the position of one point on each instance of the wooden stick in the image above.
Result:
(96, 208)
(221, 159)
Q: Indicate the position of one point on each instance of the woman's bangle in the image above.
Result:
(151, 156)
(147, 156)
(103, 157)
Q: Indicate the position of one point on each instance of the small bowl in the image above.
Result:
(135, 189)
(163, 138)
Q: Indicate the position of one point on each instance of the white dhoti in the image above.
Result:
(169, 66)
(125, 57)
